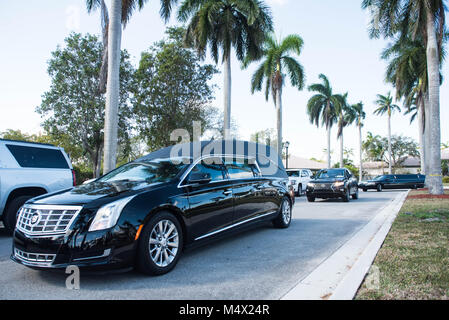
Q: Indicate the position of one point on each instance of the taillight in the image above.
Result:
(74, 177)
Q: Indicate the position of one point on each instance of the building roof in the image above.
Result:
(409, 162)
(302, 163)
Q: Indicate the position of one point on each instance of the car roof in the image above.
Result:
(195, 150)
(28, 142)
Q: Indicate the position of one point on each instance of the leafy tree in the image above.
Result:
(322, 107)
(223, 25)
(267, 137)
(171, 90)
(72, 108)
(279, 65)
(386, 106)
(376, 147)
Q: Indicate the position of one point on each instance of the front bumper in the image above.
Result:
(100, 250)
(326, 193)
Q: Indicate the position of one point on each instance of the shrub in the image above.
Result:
(82, 173)
(445, 179)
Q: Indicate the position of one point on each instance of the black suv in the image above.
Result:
(145, 212)
(333, 183)
(394, 181)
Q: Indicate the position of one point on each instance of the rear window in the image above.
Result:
(293, 173)
(34, 157)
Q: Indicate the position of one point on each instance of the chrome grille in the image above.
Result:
(323, 186)
(34, 258)
(46, 219)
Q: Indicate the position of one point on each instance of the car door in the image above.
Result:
(305, 178)
(389, 182)
(211, 205)
(247, 188)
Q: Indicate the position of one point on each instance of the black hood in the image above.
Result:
(327, 180)
(96, 193)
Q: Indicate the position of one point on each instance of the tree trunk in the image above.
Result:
(389, 145)
(434, 174)
(328, 147)
(360, 154)
(113, 87)
(426, 136)
(342, 159)
(279, 119)
(227, 98)
(421, 137)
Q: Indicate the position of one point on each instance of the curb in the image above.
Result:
(340, 275)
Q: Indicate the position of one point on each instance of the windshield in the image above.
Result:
(152, 171)
(293, 173)
(330, 174)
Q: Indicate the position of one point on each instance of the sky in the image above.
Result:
(336, 43)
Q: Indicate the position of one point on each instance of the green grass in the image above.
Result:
(414, 259)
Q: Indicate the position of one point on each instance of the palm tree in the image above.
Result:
(360, 116)
(386, 106)
(121, 12)
(346, 116)
(322, 106)
(223, 25)
(424, 18)
(277, 65)
(407, 71)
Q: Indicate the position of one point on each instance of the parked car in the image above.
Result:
(144, 213)
(333, 183)
(299, 178)
(28, 170)
(394, 181)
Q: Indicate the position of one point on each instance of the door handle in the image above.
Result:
(227, 192)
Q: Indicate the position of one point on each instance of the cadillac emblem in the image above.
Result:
(323, 186)
(35, 218)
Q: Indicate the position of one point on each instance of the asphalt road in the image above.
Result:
(263, 263)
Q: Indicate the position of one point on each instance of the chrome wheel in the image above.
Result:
(286, 212)
(164, 243)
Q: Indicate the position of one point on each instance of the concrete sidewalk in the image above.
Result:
(340, 275)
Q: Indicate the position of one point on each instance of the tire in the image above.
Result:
(355, 196)
(156, 258)
(10, 215)
(347, 197)
(299, 193)
(379, 188)
(284, 218)
(311, 199)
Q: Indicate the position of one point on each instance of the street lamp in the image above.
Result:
(286, 145)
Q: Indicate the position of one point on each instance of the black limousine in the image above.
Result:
(144, 213)
(331, 184)
(394, 181)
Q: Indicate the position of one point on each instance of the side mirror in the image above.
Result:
(199, 178)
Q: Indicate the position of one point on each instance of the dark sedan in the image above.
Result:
(394, 181)
(146, 212)
(333, 183)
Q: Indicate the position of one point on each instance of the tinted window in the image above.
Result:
(325, 174)
(212, 166)
(35, 157)
(304, 174)
(239, 169)
(293, 173)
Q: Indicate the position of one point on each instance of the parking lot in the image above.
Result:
(263, 263)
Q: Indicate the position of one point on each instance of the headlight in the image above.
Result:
(108, 214)
(339, 184)
(311, 185)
